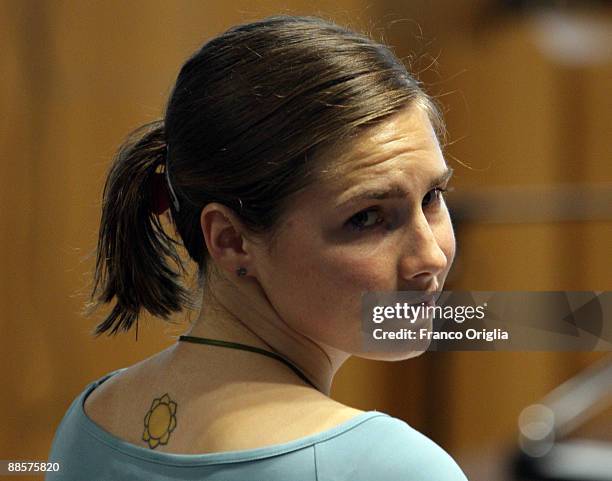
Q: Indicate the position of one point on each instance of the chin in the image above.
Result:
(398, 348)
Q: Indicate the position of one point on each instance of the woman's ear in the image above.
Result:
(226, 238)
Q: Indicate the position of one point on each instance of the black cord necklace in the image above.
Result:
(236, 345)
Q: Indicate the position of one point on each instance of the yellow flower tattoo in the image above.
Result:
(160, 421)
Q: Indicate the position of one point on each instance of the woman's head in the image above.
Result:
(375, 220)
(273, 124)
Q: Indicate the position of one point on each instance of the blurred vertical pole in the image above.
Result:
(25, 63)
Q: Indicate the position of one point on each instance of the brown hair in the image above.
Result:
(248, 114)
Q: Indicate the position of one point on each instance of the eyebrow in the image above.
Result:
(396, 191)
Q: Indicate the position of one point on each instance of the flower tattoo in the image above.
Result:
(160, 421)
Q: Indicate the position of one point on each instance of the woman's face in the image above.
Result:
(340, 238)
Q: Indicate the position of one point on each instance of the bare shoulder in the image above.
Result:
(134, 405)
(114, 404)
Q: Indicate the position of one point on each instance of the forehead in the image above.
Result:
(406, 140)
(404, 148)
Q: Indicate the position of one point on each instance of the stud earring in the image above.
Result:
(241, 271)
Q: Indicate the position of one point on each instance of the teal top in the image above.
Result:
(370, 446)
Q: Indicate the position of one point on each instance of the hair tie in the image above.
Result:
(162, 189)
(175, 200)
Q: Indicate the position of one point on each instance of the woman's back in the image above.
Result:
(215, 411)
(369, 445)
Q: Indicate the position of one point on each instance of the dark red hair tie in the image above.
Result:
(161, 199)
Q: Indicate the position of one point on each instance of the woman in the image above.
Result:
(301, 167)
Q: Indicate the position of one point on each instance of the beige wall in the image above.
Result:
(77, 76)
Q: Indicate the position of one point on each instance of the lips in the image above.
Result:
(430, 302)
(423, 302)
(429, 298)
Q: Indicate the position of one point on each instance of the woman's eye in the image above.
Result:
(434, 196)
(370, 218)
(366, 219)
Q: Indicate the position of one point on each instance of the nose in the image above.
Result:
(422, 260)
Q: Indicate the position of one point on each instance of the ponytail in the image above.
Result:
(132, 244)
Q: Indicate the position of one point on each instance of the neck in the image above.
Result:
(239, 311)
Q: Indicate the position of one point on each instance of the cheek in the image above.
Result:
(317, 289)
(355, 271)
(328, 278)
(310, 263)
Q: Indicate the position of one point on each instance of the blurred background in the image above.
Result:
(525, 87)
